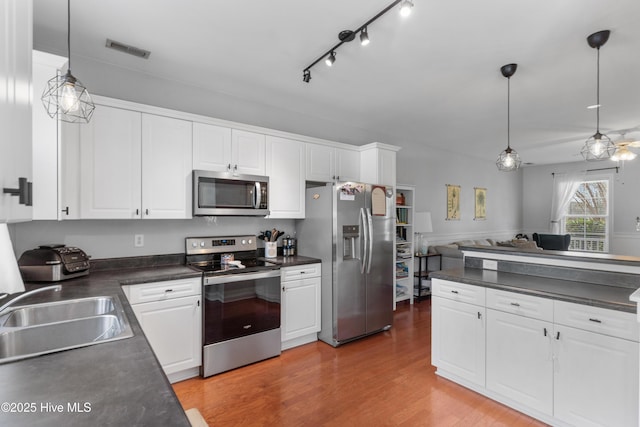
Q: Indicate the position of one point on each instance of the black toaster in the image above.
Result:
(52, 263)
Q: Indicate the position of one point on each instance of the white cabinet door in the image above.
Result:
(173, 328)
(110, 164)
(46, 141)
(519, 359)
(320, 163)
(300, 308)
(286, 171)
(458, 339)
(248, 152)
(596, 379)
(16, 43)
(166, 167)
(347, 165)
(211, 147)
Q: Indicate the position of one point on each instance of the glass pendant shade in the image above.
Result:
(598, 147)
(66, 97)
(508, 160)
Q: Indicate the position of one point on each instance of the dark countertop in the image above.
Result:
(611, 297)
(121, 381)
(565, 255)
(291, 261)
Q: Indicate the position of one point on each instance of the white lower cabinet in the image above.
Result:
(300, 322)
(170, 315)
(457, 336)
(519, 359)
(563, 363)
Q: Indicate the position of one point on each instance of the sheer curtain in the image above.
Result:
(564, 187)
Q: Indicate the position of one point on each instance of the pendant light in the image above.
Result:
(598, 146)
(65, 96)
(509, 159)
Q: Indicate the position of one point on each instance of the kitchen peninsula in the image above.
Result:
(552, 334)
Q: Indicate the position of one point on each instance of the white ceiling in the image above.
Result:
(432, 79)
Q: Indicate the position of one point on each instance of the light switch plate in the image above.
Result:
(489, 264)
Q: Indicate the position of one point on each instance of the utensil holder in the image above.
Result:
(270, 249)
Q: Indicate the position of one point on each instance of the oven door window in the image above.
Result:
(240, 308)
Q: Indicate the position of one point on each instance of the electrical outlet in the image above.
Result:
(138, 240)
(488, 264)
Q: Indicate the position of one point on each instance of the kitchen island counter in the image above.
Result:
(115, 383)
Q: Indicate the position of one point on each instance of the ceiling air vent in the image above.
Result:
(131, 50)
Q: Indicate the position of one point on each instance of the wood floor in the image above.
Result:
(383, 380)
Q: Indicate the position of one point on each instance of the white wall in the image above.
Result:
(114, 238)
(538, 187)
(431, 169)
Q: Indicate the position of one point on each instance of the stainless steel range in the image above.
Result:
(241, 294)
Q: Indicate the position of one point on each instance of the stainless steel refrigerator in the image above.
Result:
(350, 227)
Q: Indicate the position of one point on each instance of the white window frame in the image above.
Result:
(609, 215)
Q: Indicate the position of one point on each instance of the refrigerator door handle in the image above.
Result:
(364, 233)
(370, 238)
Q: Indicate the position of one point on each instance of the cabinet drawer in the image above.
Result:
(300, 272)
(458, 291)
(520, 304)
(601, 320)
(158, 291)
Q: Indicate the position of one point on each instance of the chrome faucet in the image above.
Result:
(54, 288)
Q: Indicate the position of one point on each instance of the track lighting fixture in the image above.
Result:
(598, 146)
(346, 36)
(364, 37)
(65, 96)
(405, 8)
(509, 159)
(330, 59)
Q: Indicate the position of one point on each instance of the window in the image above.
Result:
(587, 218)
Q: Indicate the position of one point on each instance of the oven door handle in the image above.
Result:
(240, 277)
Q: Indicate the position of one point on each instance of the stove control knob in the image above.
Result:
(194, 245)
(244, 242)
(250, 241)
(202, 244)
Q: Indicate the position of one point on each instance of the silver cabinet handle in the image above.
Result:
(595, 320)
(454, 292)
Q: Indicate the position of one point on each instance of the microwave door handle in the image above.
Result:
(257, 196)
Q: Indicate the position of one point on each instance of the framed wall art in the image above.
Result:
(453, 202)
(481, 203)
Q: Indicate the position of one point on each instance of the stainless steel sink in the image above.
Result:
(33, 330)
(38, 314)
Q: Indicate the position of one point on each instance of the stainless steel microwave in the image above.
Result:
(222, 193)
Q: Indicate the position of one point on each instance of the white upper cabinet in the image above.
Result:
(211, 147)
(46, 140)
(15, 106)
(166, 167)
(326, 163)
(222, 149)
(110, 164)
(248, 152)
(286, 171)
(379, 164)
(134, 165)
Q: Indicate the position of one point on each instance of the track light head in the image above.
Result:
(364, 37)
(405, 8)
(306, 76)
(330, 59)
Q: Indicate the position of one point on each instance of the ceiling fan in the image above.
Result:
(622, 147)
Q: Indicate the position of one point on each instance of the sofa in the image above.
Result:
(554, 242)
(451, 254)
